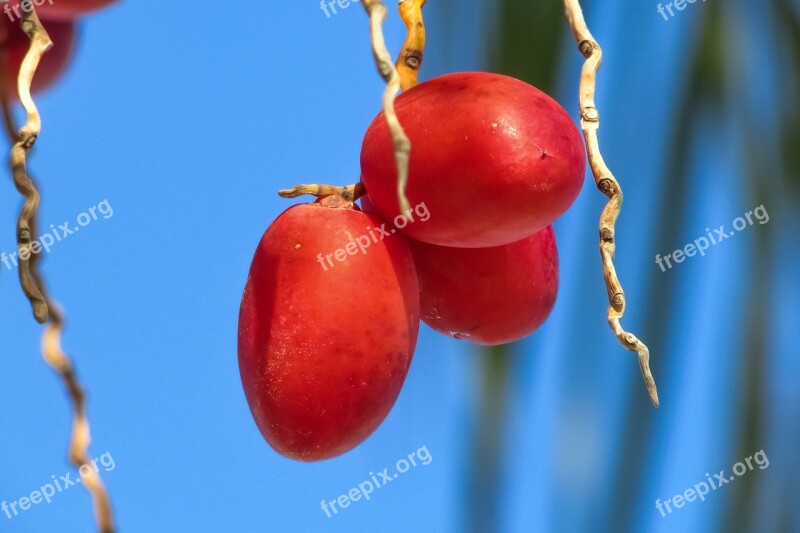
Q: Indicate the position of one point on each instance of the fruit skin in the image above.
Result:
(57, 9)
(488, 296)
(493, 158)
(323, 354)
(14, 44)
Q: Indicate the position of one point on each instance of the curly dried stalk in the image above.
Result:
(51, 338)
(409, 60)
(608, 185)
(383, 60)
(60, 362)
(26, 138)
(81, 435)
(351, 192)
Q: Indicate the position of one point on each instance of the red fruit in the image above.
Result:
(14, 44)
(494, 159)
(324, 347)
(56, 9)
(488, 295)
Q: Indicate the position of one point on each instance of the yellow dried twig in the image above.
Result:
(383, 60)
(25, 139)
(409, 60)
(608, 185)
(45, 310)
(350, 192)
(81, 435)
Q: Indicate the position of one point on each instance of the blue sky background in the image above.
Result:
(188, 121)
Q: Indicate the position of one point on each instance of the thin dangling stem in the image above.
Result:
(383, 60)
(24, 141)
(608, 185)
(81, 433)
(45, 310)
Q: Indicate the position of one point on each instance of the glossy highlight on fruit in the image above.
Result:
(324, 350)
(494, 159)
(14, 44)
(488, 296)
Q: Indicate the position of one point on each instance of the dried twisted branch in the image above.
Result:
(350, 192)
(24, 141)
(45, 310)
(608, 185)
(383, 60)
(81, 435)
(409, 60)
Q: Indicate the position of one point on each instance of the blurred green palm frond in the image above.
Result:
(525, 42)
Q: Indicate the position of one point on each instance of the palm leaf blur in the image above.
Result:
(700, 124)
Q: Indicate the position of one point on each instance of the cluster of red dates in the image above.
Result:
(59, 17)
(324, 352)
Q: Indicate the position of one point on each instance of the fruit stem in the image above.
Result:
(45, 311)
(409, 60)
(608, 185)
(383, 60)
(350, 192)
(23, 143)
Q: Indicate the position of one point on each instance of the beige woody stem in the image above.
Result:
(45, 310)
(383, 60)
(608, 185)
